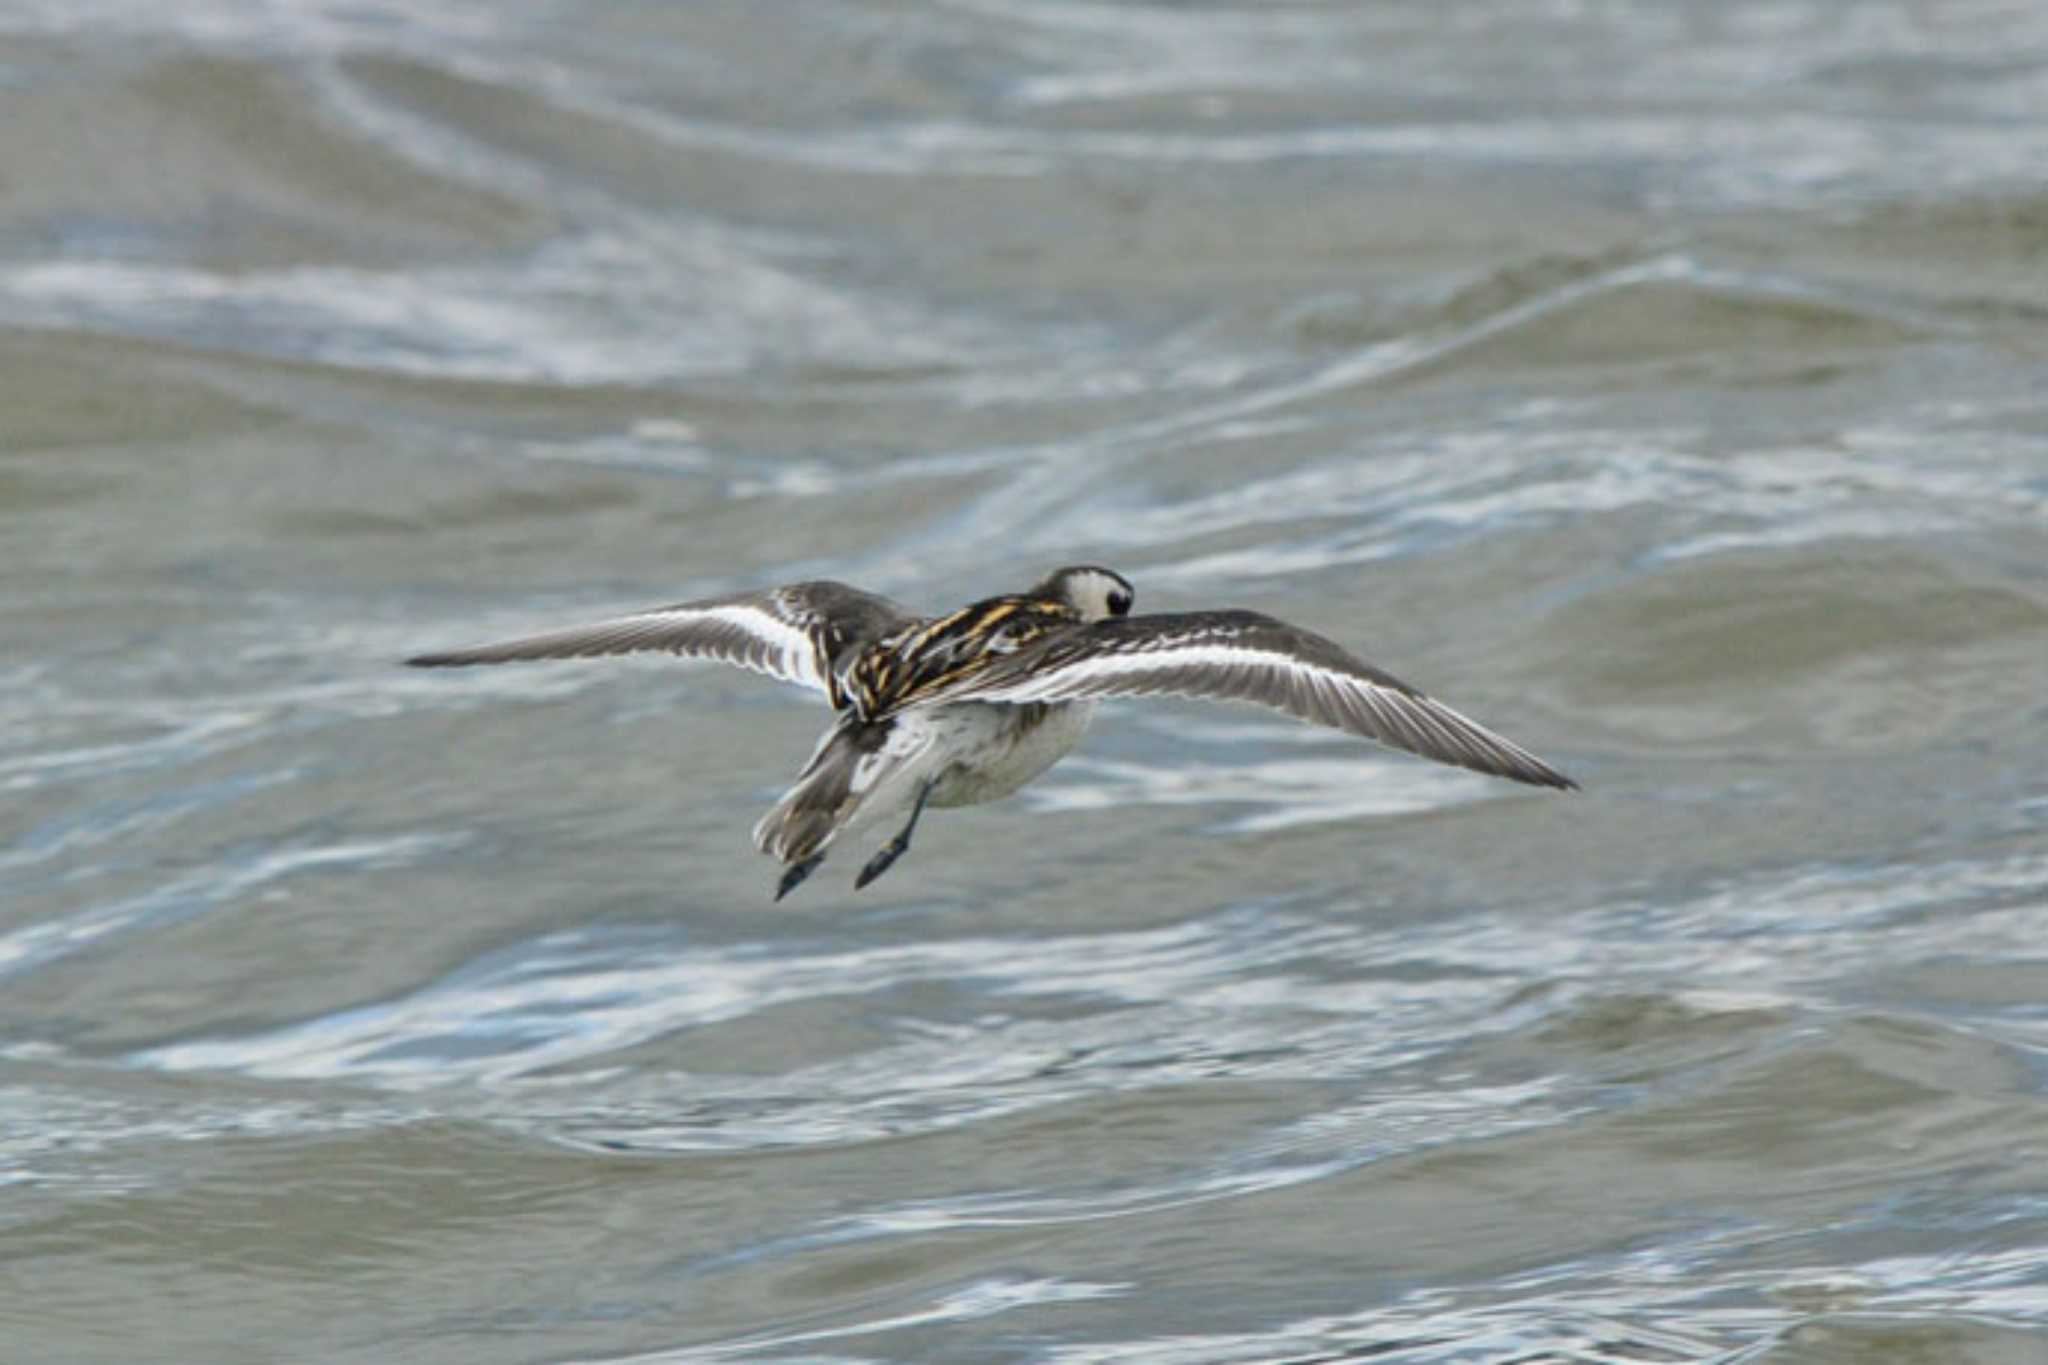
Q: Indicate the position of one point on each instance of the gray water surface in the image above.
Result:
(1660, 383)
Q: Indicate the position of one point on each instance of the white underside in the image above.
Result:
(992, 756)
(977, 751)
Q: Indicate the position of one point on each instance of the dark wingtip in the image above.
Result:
(457, 658)
(1530, 771)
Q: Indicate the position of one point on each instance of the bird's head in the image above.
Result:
(1097, 593)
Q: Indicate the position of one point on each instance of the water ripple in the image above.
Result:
(233, 875)
(1658, 380)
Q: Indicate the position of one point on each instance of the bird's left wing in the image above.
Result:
(1246, 656)
(794, 633)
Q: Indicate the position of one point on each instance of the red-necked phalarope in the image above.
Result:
(959, 709)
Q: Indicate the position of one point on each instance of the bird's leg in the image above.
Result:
(897, 846)
(794, 874)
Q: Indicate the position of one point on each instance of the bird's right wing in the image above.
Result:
(793, 633)
(1246, 656)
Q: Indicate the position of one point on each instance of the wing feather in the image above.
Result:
(796, 633)
(1246, 656)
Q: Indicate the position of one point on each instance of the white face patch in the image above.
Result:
(1092, 592)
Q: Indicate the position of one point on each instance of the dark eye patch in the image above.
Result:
(1119, 603)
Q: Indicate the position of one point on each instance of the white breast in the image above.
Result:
(996, 749)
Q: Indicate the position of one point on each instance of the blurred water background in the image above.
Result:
(1661, 383)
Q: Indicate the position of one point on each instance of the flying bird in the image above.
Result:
(967, 707)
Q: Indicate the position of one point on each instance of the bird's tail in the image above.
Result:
(853, 762)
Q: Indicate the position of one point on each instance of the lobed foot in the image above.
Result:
(794, 874)
(897, 846)
(882, 861)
